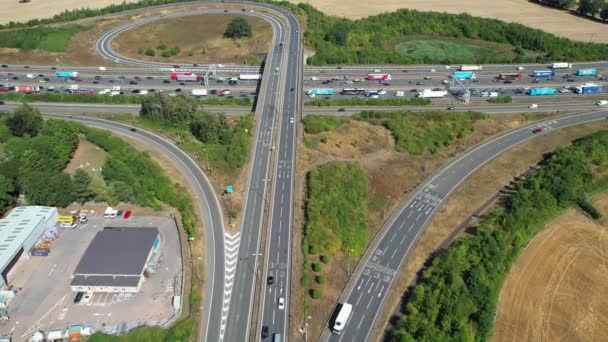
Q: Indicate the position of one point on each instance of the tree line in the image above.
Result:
(455, 297)
(591, 8)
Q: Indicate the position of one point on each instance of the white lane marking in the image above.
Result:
(231, 247)
(404, 236)
(394, 252)
(370, 302)
(380, 293)
(370, 288)
(361, 321)
(358, 299)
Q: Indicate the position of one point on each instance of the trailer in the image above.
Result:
(541, 91)
(82, 91)
(543, 73)
(588, 88)
(353, 91)
(463, 75)
(67, 74)
(250, 76)
(199, 92)
(470, 68)
(379, 77)
(27, 89)
(320, 91)
(342, 317)
(427, 93)
(561, 65)
(510, 76)
(185, 77)
(586, 72)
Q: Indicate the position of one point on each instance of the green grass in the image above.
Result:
(314, 124)
(183, 331)
(52, 39)
(420, 132)
(336, 209)
(448, 52)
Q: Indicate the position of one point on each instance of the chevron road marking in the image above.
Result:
(231, 245)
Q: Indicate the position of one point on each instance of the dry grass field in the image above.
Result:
(556, 290)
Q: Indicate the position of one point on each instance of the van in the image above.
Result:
(114, 213)
(399, 93)
(276, 337)
(108, 212)
(533, 106)
(314, 78)
(602, 103)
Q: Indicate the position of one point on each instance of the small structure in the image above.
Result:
(115, 260)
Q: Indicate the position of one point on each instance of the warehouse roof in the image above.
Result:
(18, 226)
(117, 251)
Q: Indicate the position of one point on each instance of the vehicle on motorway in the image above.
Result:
(586, 72)
(543, 73)
(32, 76)
(102, 68)
(199, 92)
(353, 91)
(290, 120)
(561, 65)
(602, 103)
(185, 76)
(276, 69)
(27, 89)
(451, 108)
(82, 91)
(537, 130)
(67, 74)
(320, 91)
(133, 82)
(178, 90)
(176, 66)
(276, 337)
(270, 280)
(265, 332)
(4, 66)
(463, 75)
(381, 92)
(470, 68)
(541, 91)
(342, 110)
(166, 81)
(253, 77)
(281, 303)
(520, 68)
(373, 94)
(115, 88)
(1, 102)
(427, 93)
(510, 76)
(400, 93)
(588, 88)
(377, 70)
(342, 318)
(533, 106)
(378, 77)
(26, 67)
(78, 297)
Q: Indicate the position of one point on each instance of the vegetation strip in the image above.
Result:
(455, 297)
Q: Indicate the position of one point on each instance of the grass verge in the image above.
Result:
(52, 39)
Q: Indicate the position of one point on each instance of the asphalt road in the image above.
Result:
(369, 284)
(205, 199)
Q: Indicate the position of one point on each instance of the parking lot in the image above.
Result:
(44, 300)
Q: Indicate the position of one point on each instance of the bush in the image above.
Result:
(314, 124)
(161, 46)
(316, 267)
(150, 53)
(321, 280)
(140, 51)
(238, 28)
(53, 39)
(312, 249)
(589, 208)
(324, 259)
(305, 281)
(316, 293)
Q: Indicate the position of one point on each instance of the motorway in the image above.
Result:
(368, 286)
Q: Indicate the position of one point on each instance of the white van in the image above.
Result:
(602, 103)
(108, 212)
(533, 106)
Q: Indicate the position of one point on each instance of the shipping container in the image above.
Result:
(588, 88)
(185, 76)
(250, 76)
(27, 89)
(543, 73)
(561, 65)
(463, 75)
(470, 67)
(541, 91)
(68, 74)
(320, 91)
(586, 72)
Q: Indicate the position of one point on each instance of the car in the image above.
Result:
(95, 82)
(533, 106)
(166, 81)
(244, 10)
(53, 68)
(132, 82)
(265, 332)
(571, 80)
(520, 68)
(451, 108)
(4, 66)
(135, 91)
(127, 214)
(419, 83)
(111, 81)
(41, 81)
(172, 94)
(225, 11)
(40, 75)
(122, 77)
(137, 78)
(97, 78)
(151, 90)
(377, 70)
(508, 82)
(78, 80)
(427, 77)
(26, 67)
(537, 130)
(119, 213)
(78, 297)
(535, 80)
(182, 83)
(1, 102)
(281, 303)
(342, 110)
(291, 89)
(381, 92)
(270, 280)
(291, 120)
(602, 79)
(15, 78)
(178, 90)
(47, 79)
(176, 66)
(212, 91)
(433, 70)
(150, 77)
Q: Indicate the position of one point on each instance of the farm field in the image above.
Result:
(556, 288)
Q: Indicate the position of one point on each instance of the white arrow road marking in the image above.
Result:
(231, 245)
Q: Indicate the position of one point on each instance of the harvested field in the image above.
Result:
(199, 38)
(556, 290)
(88, 157)
(519, 11)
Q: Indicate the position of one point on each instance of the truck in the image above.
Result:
(373, 94)
(428, 93)
(67, 74)
(561, 65)
(379, 77)
(320, 91)
(250, 76)
(588, 88)
(602, 103)
(543, 73)
(185, 77)
(353, 91)
(199, 92)
(27, 89)
(342, 317)
(510, 75)
(82, 91)
(470, 68)
(399, 93)
(586, 72)
(541, 91)
(463, 75)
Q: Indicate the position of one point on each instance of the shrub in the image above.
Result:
(316, 293)
(324, 259)
(317, 267)
(313, 249)
(150, 53)
(589, 208)
(140, 51)
(161, 46)
(238, 28)
(321, 280)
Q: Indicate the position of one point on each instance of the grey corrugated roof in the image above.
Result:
(111, 281)
(117, 251)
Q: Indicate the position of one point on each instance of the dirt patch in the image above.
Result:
(199, 38)
(556, 290)
(88, 157)
(470, 196)
(519, 11)
(353, 140)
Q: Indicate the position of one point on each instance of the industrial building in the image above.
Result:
(19, 232)
(115, 260)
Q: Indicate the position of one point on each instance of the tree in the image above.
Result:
(7, 193)
(238, 28)
(80, 186)
(150, 53)
(25, 120)
(604, 12)
(207, 128)
(338, 34)
(589, 7)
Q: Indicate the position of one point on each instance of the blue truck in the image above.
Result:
(543, 73)
(589, 88)
(69, 74)
(541, 91)
(586, 72)
(463, 75)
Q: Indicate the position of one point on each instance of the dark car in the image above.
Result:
(508, 82)
(225, 11)
(537, 130)
(270, 280)
(135, 91)
(341, 110)
(571, 80)
(150, 77)
(4, 66)
(53, 68)
(451, 108)
(40, 75)
(265, 333)
(244, 10)
(212, 91)
(182, 83)
(122, 77)
(166, 81)
(291, 89)
(47, 79)
(1, 102)
(97, 78)
(535, 81)
(119, 213)
(137, 78)
(78, 297)
(132, 82)
(132, 130)
(26, 66)
(176, 66)
(95, 82)
(151, 90)
(111, 81)
(178, 90)
(195, 65)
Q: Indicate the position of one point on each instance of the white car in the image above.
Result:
(102, 68)
(533, 106)
(520, 68)
(448, 67)
(290, 120)
(281, 303)
(602, 103)
(433, 70)
(86, 298)
(381, 92)
(377, 70)
(31, 76)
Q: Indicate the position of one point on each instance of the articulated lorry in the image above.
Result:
(67, 74)
(353, 91)
(250, 76)
(185, 77)
(199, 92)
(561, 65)
(470, 68)
(427, 93)
(543, 73)
(588, 88)
(463, 75)
(541, 91)
(320, 91)
(27, 89)
(379, 77)
(586, 72)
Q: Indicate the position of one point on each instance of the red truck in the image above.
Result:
(185, 76)
(379, 77)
